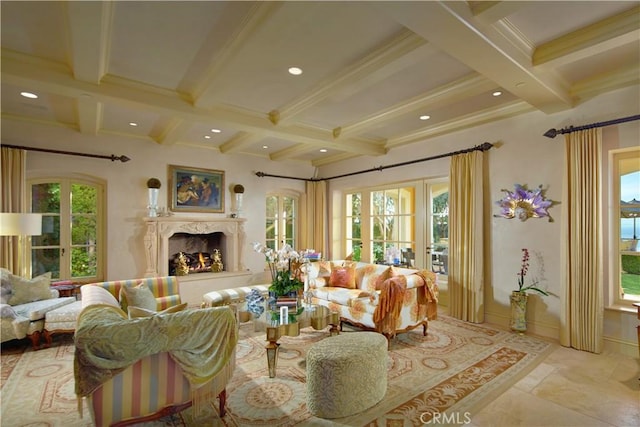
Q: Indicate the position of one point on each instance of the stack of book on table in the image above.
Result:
(290, 302)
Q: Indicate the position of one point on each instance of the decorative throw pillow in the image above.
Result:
(138, 296)
(96, 294)
(324, 269)
(136, 312)
(23, 290)
(343, 276)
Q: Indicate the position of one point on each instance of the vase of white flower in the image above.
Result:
(520, 297)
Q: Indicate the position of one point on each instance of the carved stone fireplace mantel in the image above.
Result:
(160, 230)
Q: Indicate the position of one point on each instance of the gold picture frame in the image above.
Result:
(196, 189)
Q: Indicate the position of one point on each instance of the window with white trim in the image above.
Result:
(281, 220)
(72, 244)
(626, 214)
(409, 222)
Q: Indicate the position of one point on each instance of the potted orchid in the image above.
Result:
(285, 268)
(519, 297)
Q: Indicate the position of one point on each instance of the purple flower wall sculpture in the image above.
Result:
(523, 203)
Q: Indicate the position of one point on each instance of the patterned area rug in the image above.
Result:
(456, 368)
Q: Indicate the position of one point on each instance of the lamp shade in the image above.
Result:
(20, 224)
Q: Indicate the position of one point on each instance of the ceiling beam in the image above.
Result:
(239, 142)
(89, 115)
(487, 115)
(174, 131)
(205, 92)
(489, 12)
(606, 82)
(451, 27)
(448, 94)
(43, 75)
(591, 40)
(90, 35)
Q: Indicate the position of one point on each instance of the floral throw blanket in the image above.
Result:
(201, 341)
(392, 297)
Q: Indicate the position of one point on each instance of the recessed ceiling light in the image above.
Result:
(265, 147)
(134, 124)
(425, 117)
(497, 93)
(207, 137)
(216, 130)
(295, 71)
(323, 150)
(29, 95)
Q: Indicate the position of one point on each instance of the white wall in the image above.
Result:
(522, 155)
(127, 191)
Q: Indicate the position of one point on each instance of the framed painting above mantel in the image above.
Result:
(196, 189)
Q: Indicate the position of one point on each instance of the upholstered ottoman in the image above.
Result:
(62, 319)
(235, 297)
(346, 374)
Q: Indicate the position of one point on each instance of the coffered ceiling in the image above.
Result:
(370, 70)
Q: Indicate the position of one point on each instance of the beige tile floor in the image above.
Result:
(570, 388)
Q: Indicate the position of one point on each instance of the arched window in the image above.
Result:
(282, 220)
(72, 244)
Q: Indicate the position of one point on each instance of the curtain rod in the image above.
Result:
(112, 157)
(482, 147)
(551, 133)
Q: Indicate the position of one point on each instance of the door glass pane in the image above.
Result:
(83, 230)
(440, 228)
(45, 198)
(83, 198)
(378, 252)
(272, 207)
(272, 228)
(289, 207)
(83, 261)
(44, 260)
(50, 232)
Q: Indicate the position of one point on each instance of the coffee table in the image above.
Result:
(314, 315)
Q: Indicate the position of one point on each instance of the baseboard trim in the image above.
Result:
(616, 345)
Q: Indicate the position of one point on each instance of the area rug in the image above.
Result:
(446, 375)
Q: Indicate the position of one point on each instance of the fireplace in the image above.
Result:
(198, 238)
(198, 252)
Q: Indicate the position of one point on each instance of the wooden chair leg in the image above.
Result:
(223, 401)
(47, 338)
(424, 329)
(35, 339)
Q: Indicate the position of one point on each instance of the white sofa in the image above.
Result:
(24, 304)
(381, 298)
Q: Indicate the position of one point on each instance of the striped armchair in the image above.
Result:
(154, 386)
(165, 289)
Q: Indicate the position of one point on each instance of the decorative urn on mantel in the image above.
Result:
(519, 298)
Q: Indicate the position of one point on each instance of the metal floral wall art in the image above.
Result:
(523, 203)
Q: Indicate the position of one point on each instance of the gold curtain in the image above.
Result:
(13, 199)
(466, 280)
(582, 306)
(313, 224)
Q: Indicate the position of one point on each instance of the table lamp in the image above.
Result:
(21, 225)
